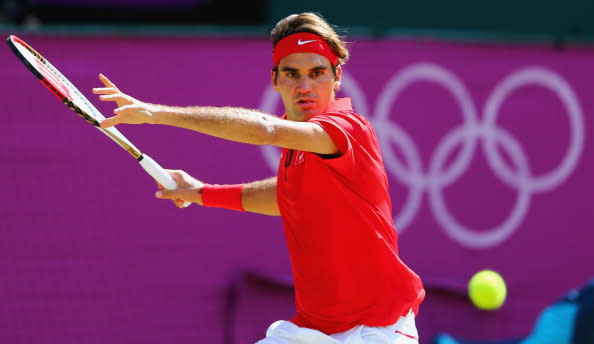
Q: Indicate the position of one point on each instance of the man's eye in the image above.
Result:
(291, 74)
(317, 74)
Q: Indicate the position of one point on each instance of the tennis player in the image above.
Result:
(331, 191)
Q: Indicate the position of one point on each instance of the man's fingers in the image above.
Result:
(176, 175)
(168, 194)
(110, 122)
(115, 97)
(177, 195)
(128, 109)
(102, 90)
(179, 203)
(106, 81)
(105, 90)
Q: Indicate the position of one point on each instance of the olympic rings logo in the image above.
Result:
(472, 133)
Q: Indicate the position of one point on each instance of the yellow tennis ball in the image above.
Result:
(487, 290)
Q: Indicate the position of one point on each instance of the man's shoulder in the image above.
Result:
(346, 117)
(341, 107)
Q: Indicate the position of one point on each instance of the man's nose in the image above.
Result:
(304, 84)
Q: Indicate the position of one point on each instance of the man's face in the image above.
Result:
(306, 84)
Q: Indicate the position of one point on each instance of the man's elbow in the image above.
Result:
(268, 133)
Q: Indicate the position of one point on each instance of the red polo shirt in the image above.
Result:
(338, 224)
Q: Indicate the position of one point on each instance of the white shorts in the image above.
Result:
(403, 331)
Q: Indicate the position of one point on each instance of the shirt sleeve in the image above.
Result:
(340, 130)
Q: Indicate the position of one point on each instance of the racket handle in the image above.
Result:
(158, 173)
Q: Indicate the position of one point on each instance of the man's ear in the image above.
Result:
(338, 79)
(273, 74)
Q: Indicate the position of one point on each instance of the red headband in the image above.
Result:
(303, 42)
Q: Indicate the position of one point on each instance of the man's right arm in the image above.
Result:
(256, 197)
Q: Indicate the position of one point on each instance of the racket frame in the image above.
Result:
(149, 165)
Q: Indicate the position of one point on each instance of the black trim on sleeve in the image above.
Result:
(329, 156)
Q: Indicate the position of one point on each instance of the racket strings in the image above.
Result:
(68, 94)
(59, 85)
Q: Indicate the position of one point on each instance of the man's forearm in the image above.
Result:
(260, 197)
(230, 123)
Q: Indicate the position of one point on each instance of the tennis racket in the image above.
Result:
(62, 88)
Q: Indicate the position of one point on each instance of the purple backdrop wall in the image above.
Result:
(486, 147)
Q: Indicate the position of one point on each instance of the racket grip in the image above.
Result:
(158, 173)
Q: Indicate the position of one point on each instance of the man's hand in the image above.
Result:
(130, 110)
(188, 189)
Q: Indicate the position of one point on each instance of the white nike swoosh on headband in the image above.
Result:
(300, 42)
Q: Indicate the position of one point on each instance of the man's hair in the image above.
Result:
(312, 23)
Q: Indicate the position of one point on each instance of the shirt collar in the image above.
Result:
(340, 105)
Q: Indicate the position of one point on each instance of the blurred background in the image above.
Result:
(483, 111)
